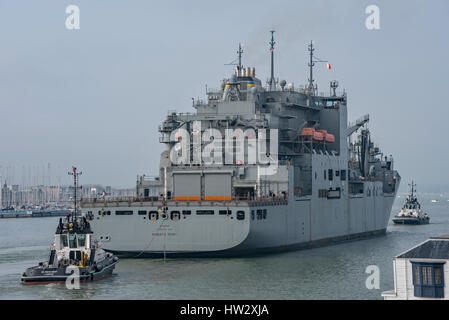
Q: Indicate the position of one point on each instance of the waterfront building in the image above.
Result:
(420, 272)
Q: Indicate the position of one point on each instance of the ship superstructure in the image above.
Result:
(257, 168)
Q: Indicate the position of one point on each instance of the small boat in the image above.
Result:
(411, 212)
(73, 254)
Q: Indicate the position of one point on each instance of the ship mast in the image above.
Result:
(75, 182)
(311, 64)
(239, 52)
(311, 88)
(412, 185)
(272, 83)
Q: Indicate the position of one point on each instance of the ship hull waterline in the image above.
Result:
(61, 277)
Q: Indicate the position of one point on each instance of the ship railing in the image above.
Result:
(267, 199)
(149, 178)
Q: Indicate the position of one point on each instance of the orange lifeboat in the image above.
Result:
(324, 132)
(329, 137)
(307, 131)
(318, 136)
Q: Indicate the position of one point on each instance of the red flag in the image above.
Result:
(328, 66)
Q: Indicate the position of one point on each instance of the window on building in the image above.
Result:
(324, 174)
(252, 214)
(428, 279)
(264, 213)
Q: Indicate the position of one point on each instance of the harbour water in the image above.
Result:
(332, 272)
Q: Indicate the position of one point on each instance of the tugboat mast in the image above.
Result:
(75, 182)
(412, 185)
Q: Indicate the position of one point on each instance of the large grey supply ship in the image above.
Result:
(322, 180)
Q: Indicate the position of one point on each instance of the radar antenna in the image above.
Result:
(75, 182)
(272, 82)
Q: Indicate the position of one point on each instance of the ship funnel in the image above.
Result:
(253, 72)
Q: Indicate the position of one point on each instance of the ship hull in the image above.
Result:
(267, 227)
(235, 253)
(413, 221)
(37, 276)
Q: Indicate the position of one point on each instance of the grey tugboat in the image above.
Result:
(322, 180)
(411, 212)
(74, 249)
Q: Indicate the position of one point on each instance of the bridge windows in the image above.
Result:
(186, 212)
(142, 212)
(64, 241)
(81, 240)
(72, 241)
(225, 212)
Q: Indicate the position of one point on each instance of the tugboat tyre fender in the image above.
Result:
(99, 267)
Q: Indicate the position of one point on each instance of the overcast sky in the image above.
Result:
(94, 97)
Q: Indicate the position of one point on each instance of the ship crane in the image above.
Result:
(359, 123)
